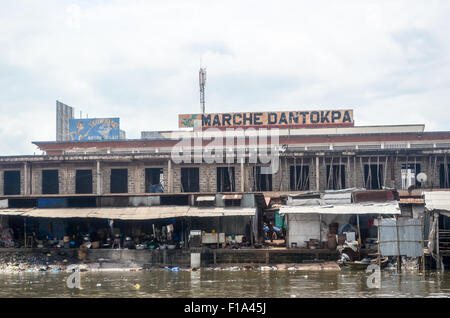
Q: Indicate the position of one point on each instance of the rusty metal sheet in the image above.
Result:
(411, 201)
(232, 197)
(413, 193)
(373, 196)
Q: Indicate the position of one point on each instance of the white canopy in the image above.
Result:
(129, 213)
(356, 208)
(437, 200)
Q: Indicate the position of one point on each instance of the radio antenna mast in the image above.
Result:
(202, 81)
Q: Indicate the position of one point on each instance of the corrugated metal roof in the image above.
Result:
(13, 212)
(437, 200)
(409, 237)
(337, 198)
(372, 208)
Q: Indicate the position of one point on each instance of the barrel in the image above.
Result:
(332, 241)
(333, 228)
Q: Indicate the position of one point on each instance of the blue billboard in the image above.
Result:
(94, 129)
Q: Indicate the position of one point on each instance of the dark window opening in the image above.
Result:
(190, 180)
(119, 180)
(299, 181)
(50, 182)
(22, 203)
(11, 182)
(373, 177)
(206, 203)
(263, 182)
(444, 176)
(225, 179)
(409, 173)
(335, 177)
(153, 177)
(232, 202)
(175, 200)
(83, 181)
(82, 202)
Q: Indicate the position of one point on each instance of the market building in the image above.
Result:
(177, 185)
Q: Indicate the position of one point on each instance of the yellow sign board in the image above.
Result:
(285, 119)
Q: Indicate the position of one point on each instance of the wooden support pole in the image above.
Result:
(252, 240)
(378, 242)
(399, 258)
(359, 237)
(287, 231)
(25, 231)
(423, 240)
(438, 265)
(320, 230)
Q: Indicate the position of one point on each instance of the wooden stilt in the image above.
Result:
(359, 237)
(378, 242)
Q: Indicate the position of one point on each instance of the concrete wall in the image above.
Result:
(303, 227)
(208, 173)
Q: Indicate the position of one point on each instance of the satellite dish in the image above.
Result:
(421, 177)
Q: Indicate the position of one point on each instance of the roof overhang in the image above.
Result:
(437, 200)
(139, 213)
(207, 198)
(368, 208)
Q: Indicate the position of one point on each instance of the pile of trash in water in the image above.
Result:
(256, 267)
(42, 262)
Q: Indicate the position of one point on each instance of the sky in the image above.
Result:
(138, 60)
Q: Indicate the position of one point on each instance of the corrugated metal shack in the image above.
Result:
(351, 210)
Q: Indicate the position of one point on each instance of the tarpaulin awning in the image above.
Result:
(139, 213)
(205, 198)
(216, 211)
(373, 196)
(361, 208)
(232, 197)
(13, 212)
(437, 200)
(130, 213)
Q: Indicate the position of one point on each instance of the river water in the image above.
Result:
(225, 283)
